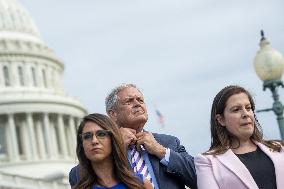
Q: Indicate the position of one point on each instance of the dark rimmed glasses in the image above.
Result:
(100, 134)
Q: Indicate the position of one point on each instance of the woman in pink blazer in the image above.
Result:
(239, 157)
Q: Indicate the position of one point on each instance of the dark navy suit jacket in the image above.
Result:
(179, 172)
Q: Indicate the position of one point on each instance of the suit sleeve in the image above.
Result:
(74, 176)
(204, 171)
(181, 164)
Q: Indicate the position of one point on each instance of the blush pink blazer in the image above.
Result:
(226, 171)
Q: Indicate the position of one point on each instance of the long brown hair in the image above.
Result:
(122, 168)
(221, 139)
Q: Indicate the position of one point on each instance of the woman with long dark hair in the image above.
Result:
(239, 157)
(102, 156)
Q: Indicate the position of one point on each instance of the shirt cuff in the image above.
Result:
(166, 159)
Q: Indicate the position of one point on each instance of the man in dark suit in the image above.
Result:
(160, 158)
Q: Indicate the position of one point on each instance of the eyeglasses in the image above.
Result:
(100, 134)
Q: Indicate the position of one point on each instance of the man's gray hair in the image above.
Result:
(111, 100)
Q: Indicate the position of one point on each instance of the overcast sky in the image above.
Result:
(180, 53)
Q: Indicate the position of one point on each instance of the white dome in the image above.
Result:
(38, 119)
(16, 22)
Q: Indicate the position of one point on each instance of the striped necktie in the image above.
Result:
(139, 165)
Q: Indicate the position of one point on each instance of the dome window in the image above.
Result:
(3, 149)
(34, 77)
(44, 78)
(6, 76)
(21, 76)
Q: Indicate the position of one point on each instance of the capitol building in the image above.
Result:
(38, 119)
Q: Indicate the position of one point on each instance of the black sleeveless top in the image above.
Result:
(260, 167)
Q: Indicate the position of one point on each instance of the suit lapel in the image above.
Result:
(278, 161)
(155, 165)
(232, 162)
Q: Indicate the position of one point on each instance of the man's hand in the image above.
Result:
(128, 135)
(151, 145)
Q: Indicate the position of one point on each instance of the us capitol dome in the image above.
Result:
(38, 120)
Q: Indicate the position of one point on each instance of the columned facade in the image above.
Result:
(32, 140)
(38, 119)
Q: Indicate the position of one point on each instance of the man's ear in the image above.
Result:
(112, 114)
(221, 120)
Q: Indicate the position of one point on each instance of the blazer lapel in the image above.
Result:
(278, 161)
(232, 162)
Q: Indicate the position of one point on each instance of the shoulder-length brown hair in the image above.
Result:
(121, 166)
(221, 139)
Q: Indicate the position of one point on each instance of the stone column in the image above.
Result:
(48, 77)
(39, 76)
(27, 74)
(8, 143)
(72, 142)
(62, 135)
(2, 79)
(14, 150)
(78, 121)
(13, 71)
(47, 135)
(40, 140)
(54, 140)
(31, 131)
(25, 139)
